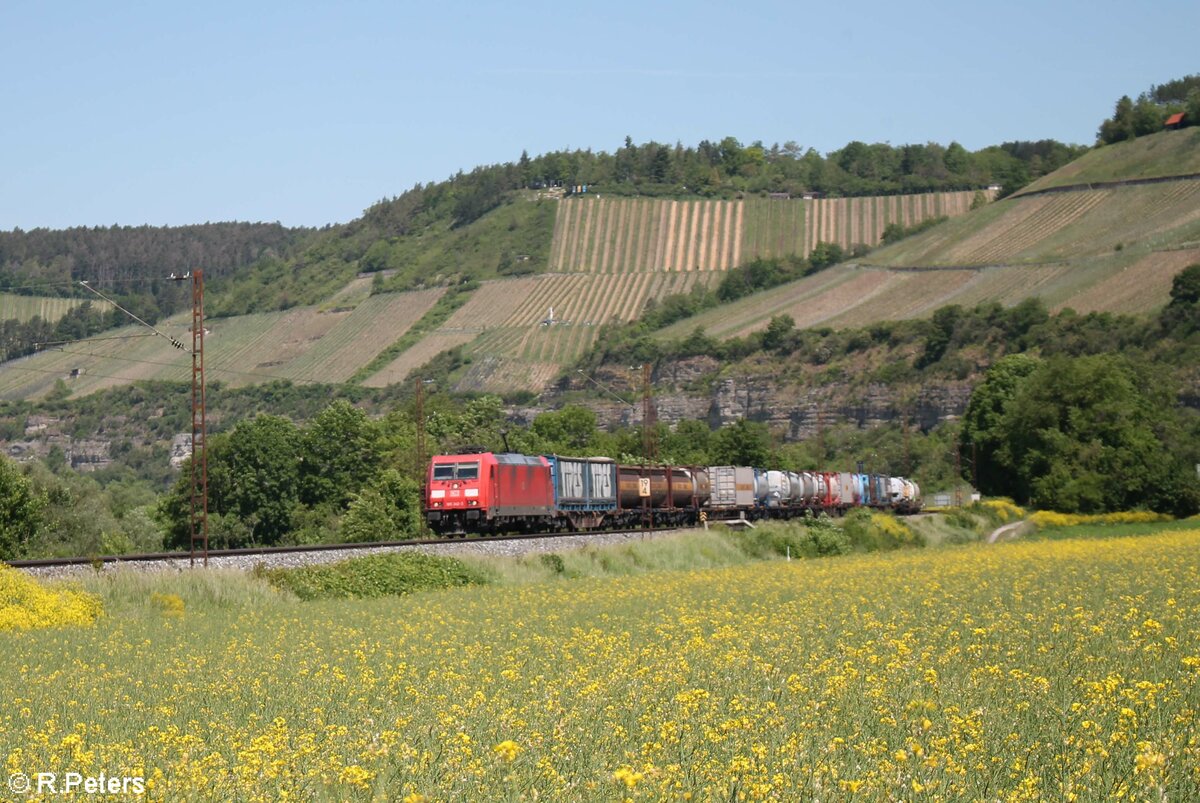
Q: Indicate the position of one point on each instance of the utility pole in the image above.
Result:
(974, 468)
(419, 420)
(820, 433)
(958, 475)
(646, 481)
(198, 522)
(907, 450)
(649, 418)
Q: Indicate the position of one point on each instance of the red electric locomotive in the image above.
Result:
(488, 492)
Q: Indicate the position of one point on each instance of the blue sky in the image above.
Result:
(306, 113)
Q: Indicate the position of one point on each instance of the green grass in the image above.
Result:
(1115, 530)
(519, 227)
(126, 591)
(1169, 153)
(408, 572)
(450, 301)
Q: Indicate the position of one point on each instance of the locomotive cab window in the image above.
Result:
(456, 471)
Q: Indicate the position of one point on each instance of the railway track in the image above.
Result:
(293, 556)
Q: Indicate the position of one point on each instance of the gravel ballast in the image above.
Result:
(509, 548)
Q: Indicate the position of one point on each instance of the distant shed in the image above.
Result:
(1174, 121)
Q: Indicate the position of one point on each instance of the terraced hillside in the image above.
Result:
(25, 308)
(1169, 153)
(302, 344)
(1115, 249)
(1061, 226)
(853, 221)
(505, 325)
(618, 235)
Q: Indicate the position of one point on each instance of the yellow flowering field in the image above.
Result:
(1042, 670)
(26, 604)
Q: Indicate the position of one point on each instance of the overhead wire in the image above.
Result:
(217, 365)
(74, 283)
(172, 340)
(58, 344)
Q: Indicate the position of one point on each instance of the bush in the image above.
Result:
(813, 538)
(868, 531)
(374, 576)
(1049, 519)
(999, 511)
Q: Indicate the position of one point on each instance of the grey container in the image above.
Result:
(732, 486)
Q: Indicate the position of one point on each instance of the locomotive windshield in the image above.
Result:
(453, 471)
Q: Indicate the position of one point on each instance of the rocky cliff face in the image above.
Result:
(44, 434)
(681, 390)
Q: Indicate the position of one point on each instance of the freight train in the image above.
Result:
(501, 492)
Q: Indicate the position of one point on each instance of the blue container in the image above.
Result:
(863, 482)
(583, 483)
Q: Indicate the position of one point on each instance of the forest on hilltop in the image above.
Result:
(1149, 113)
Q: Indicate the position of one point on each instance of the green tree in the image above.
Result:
(688, 444)
(20, 511)
(340, 453)
(1091, 435)
(1148, 116)
(1120, 126)
(744, 443)
(984, 418)
(253, 485)
(1192, 111)
(941, 331)
(570, 430)
(388, 509)
(778, 332)
(1181, 316)
(825, 254)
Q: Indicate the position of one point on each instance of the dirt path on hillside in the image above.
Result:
(1007, 532)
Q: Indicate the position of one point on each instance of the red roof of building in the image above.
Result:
(1175, 119)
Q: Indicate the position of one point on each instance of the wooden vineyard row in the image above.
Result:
(26, 308)
(505, 326)
(302, 344)
(860, 221)
(1045, 228)
(851, 296)
(615, 235)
